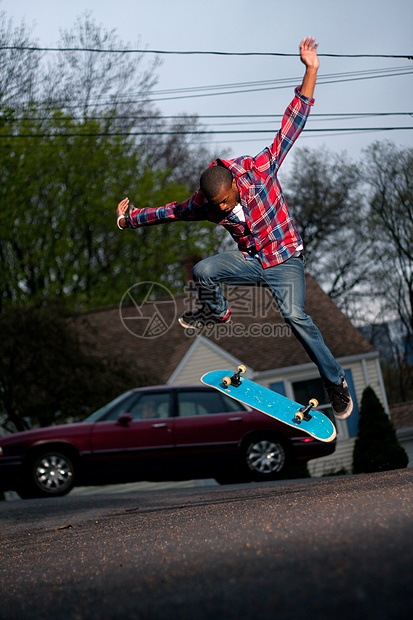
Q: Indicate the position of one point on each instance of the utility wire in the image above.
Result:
(195, 133)
(321, 81)
(303, 136)
(391, 71)
(188, 52)
(145, 117)
(244, 87)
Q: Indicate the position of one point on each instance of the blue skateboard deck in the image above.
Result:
(275, 405)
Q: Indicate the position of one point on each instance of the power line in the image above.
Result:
(391, 71)
(329, 133)
(321, 81)
(325, 116)
(189, 52)
(244, 87)
(184, 133)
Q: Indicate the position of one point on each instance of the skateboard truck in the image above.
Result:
(304, 412)
(235, 380)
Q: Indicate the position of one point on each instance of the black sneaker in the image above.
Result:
(340, 399)
(199, 318)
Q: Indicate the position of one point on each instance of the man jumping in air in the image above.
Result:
(244, 196)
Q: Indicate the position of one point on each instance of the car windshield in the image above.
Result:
(100, 413)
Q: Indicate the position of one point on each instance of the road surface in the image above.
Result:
(329, 548)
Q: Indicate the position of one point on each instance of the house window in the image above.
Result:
(303, 391)
(313, 388)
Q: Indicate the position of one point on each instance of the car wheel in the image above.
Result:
(51, 474)
(265, 458)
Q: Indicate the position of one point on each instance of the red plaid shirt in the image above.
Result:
(269, 229)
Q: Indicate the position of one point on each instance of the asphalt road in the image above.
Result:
(331, 548)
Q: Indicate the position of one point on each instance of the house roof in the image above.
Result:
(257, 335)
(402, 414)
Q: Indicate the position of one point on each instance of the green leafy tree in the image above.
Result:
(58, 195)
(66, 161)
(60, 183)
(376, 447)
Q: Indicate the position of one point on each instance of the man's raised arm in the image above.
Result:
(308, 54)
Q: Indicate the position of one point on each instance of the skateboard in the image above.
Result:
(304, 418)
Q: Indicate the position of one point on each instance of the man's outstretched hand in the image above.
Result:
(308, 53)
(121, 210)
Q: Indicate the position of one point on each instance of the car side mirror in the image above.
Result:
(124, 419)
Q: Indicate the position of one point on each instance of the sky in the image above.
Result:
(348, 27)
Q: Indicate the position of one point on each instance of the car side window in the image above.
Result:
(120, 407)
(203, 402)
(152, 406)
(233, 405)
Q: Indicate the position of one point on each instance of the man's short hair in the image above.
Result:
(213, 179)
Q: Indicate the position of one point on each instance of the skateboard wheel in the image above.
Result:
(299, 416)
(242, 368)
(226, 381)
(313, 402)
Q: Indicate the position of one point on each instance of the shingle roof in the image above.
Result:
(253, 315)
(402, 414)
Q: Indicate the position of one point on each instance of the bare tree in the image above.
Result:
(389, 174)
(388, 170)
(324, 195)
(184, 151)
(116, 88)
(113, 85)
(19, 68)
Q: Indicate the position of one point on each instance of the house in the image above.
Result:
(402, 417)
(143, 331)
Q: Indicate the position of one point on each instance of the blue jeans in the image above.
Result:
(287, 284)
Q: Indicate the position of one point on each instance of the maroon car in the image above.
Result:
(154, 433)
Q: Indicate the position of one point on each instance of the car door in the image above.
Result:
(138, 440)
(208, 426)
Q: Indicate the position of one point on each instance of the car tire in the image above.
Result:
(50, 474)
(265, 458)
